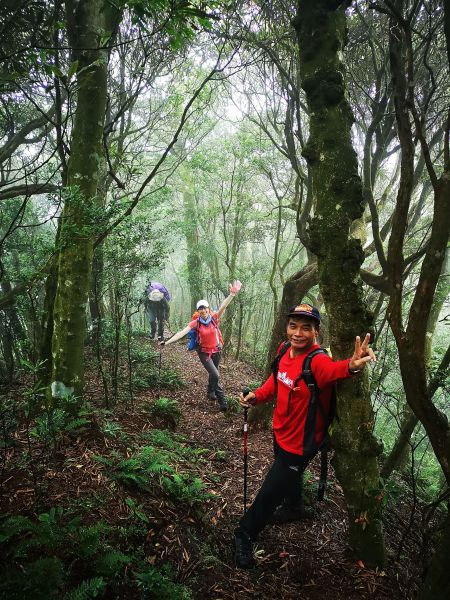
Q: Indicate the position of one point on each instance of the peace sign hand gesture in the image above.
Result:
(362, 354)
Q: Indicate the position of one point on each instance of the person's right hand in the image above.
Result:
(249, 400)
(235, 287)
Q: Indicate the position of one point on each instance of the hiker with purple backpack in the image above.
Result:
(207, 341)
(156, 303)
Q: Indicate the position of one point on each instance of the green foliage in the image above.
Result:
(234, 408)
(112, 429)
(185, 488)
(174, 443)
(68, 548)
(54, 422)
(143, 354)
(151, 378)
(41, 579)
(153, 469)
(88, 540)
(63, 543)
(221, 455)
(136, 510)
(166, 411)
(91, 588)
(161, 586)
(111, 563)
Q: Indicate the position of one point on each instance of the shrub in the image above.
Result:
(160, 585)
(166, 411)
(152, 468)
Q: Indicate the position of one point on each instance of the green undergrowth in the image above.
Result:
(165, 411)
(150, 371)
(149, 377)
(68, 554)
(163, 466)
(58, 556)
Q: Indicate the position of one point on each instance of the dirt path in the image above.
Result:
(305, 560)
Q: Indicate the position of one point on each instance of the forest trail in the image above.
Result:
(81, 476)
(303, 560)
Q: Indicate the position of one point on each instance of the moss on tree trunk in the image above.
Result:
(337, 192)
(87, 23)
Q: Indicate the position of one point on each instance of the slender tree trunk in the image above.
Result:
(410, 420)
(194, 259)
(294, 291)
(45, 343)
(412, 340)
(337, 191)
(437, 582)
(88, 21)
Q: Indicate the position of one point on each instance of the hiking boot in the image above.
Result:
(288, 514)
(243, 550)
(223, 404)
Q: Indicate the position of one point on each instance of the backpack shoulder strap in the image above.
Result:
(276, 362)
(307, 374)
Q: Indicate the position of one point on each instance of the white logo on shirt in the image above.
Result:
(283, 377)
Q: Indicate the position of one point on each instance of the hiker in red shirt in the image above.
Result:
(298, 429)
(210, 343)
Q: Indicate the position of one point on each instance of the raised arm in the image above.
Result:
(234, 289)
(177, 336)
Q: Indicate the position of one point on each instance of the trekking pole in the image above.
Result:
(245, 392)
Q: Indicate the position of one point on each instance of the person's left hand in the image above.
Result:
(362, 354)
(235, 287)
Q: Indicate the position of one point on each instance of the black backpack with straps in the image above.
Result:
(314, 406)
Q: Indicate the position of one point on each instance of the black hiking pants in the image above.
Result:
(211, 364)
(156, 315)
(283, 483)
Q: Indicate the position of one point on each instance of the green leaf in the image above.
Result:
(72, 70)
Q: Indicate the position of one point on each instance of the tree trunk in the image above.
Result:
(294, 291)
(45, 342)
(194, 259)
(337, 191)
(409, 420)
(88, 21)
(437, 582)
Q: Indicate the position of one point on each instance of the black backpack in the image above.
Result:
(314, 405)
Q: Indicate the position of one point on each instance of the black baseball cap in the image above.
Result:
(304, 310)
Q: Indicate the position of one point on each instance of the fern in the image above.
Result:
(88, 540)
(136, 510)
(166, 410)
(13, 526)
(76, 424)
(186, 488)
(91, 588)
(111, 563)
(111, 429)
(39, 580)
(172, 442)
(160, 585)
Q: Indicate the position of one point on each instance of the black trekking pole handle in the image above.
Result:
(245, 392)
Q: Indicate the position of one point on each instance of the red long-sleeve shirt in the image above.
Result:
(289, 417)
